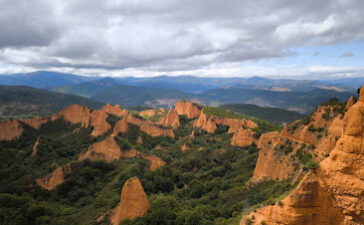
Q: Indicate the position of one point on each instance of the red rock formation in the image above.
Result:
(132, 119)
(185, 148)
(115, 110)
(99, 123)
(147, 113)
(243, 137)
(205, 123)
(35, 146)
(171, 119)
(188, 108)
(107, 150)
(192, 135)
(275, 165)
(309, 204)
(133, 202)
(120, 127)
(272, 164)
(350, 103)
(75, 114)
(208, 123)
(155, 161)
(10, 130)
(155, 131)
(36, 122)
(334, 194)
(55, 178)
(81, 114)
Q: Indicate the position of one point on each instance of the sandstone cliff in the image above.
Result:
(243, 137)
(191, 110)
(36, 122)
(84, 116)
(120, 127)
(278, 151)
(334, 193)
(35, 146)
(109, 150)
(52, 180)
(115, 110)
(133, 202)
(10, 129)
(155, 131)
(209, 123)
(171, 119)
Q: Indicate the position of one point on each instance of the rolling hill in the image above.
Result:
(274, 115)
(21, 101)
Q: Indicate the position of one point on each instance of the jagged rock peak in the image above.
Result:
(133, 202)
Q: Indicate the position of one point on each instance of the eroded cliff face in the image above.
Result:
(84, 116)
(308, 204)
(171, 119)
(55, 178)
(155, 131)
(133, 202)
(107, 150)
(243, 137)
(115, 110)
(10, 130)
(334, 193)
(209, 123)
(120, 127)
(205, 123)
(187, 108)
(35, 146)
(317, 137)
(36, 122)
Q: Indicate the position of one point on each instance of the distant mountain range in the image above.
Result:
(22, 101)
(163, 91)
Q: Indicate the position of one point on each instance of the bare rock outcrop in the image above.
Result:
(35, 146)
(107, 150)
(115, 110)
(209, 123)
(205, 123)
(155, 131)
(185, 148)
(120, 127)
(10, 130)
(243, 137)
(190, 109)
(36, 122)
(277, 157)
(84, 116)
(99, 123)
(170, 120)
(133, 202)
(334, 193)
(55, 178)
(147, 113)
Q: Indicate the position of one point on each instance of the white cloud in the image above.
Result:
(159, 37)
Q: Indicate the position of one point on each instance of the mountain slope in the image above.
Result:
(21, 101)
(43, 79)
(295, 101)
(275, 115)
(87, 89)
(131, 96)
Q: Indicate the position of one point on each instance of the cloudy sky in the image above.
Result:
(273, 38)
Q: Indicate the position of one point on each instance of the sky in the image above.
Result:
(295, 39)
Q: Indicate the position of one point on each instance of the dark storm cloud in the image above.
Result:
(168, 35)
